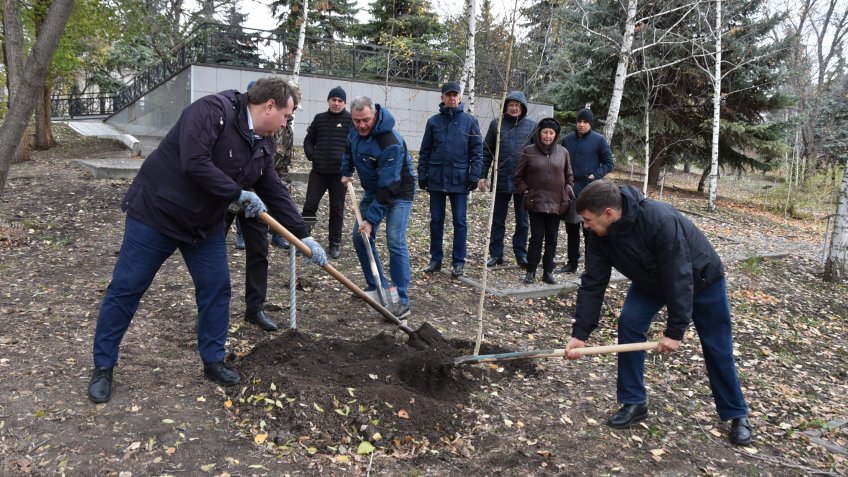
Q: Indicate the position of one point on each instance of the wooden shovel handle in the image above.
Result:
(280, 230)
(555, 353)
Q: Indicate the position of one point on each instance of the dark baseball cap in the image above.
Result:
(451, 86)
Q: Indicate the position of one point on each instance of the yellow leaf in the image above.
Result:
(260, 438)
(231, 460)
(317, 407)
(637, 438)
(201, 399)
(228, 403)
(342, 459)
(312, 450)
(207, 467)
(167, 421)
(658, 452)
(365, 447)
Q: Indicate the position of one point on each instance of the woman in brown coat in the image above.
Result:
(544, 179)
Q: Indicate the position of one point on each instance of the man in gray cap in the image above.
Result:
(449, 165)
(324, 146)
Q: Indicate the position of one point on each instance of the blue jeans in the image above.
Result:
(397, 221)
(522, 226)
(143, 252)
(711, 316)
(459, 206)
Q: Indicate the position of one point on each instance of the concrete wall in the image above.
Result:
(157, 111)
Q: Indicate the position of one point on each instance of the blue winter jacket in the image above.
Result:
(590, 156)
(383, 162)
(451, 155)
(515, 134)
(184, 187)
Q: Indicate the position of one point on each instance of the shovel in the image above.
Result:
(425, 337)
(554, 353)
(365, 238)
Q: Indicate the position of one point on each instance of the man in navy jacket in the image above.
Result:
(669, 262)
(380, 156)
(449, 164)
(591, 159)
(220, 147)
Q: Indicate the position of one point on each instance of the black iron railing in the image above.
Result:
(217, 44)
(86, 104)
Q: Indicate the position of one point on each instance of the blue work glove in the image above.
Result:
(251, 204)
(318, 256)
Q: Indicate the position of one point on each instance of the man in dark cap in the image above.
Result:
(591, 159)
(324, 146)
(449, 165)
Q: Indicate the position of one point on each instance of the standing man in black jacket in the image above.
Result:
(324, 145)
(670, 263)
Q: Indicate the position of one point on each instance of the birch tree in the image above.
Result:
(301, 39)
(469, 71)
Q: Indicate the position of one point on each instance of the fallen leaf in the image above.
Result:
(201, 399)
(207, 467)
(260, 438)
(403, 414)
(365, 447)
(228, 403)
(170, 450)
(658, 452)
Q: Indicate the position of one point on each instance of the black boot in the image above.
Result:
(548, 278)
(628, 414)
(740, 431)
(433, 266)
(530, 278)
(261, 319)
(100, 385)
(221, 373)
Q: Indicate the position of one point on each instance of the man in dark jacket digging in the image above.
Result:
(516, 132)
(324, 145)
(669, 262)
(220, 147)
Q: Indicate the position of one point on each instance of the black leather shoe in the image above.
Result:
(335, 250)
(458, 270)
(221, 373)
(522, 262)
(433, 266)
(567, 268)
(261, 319)
(740, 431)
(100, 385)
(628, 415)
(548, 278)
(494, 261)
(530, 278)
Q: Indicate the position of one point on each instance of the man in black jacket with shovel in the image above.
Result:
(670, 262)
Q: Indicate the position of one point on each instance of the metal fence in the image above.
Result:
(216, 44)
(86, 104)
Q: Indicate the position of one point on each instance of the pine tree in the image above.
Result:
(405, 24)
(327, 18)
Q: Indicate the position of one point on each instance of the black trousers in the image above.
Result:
(572, 232)
(255, 234)
(543, 227)
(318, 184)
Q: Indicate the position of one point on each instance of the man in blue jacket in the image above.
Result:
(380, 156)
(669, 262)
(449, 164)
(591, 159)
(516, 132)
(220, 147)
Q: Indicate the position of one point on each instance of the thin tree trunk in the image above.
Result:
(834, 266)
(621, 70)
(716, 111)
(301, 39)
(43, 126)
(469, 69)
(34, 70)
(647, 145)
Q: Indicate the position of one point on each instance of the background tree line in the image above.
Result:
(656, 74)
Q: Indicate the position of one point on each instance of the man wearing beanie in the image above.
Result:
(324, 145)
(449, 164)
(591, 159)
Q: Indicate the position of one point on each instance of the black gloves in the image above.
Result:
(422, 184)
(472, 186)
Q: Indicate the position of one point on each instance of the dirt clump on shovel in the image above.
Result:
(324, 392)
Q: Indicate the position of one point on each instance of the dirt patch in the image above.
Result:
(544, 417)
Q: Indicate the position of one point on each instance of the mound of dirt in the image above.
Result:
(379, 390)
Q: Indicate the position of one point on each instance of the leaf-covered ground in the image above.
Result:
(343, 395)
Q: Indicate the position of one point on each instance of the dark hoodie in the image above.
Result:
(515, 134)
(662, 252)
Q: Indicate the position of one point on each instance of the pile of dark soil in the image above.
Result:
(378, 390)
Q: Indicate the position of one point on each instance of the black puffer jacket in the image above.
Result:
(325, 141)
(515, 134)
(659, 250)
